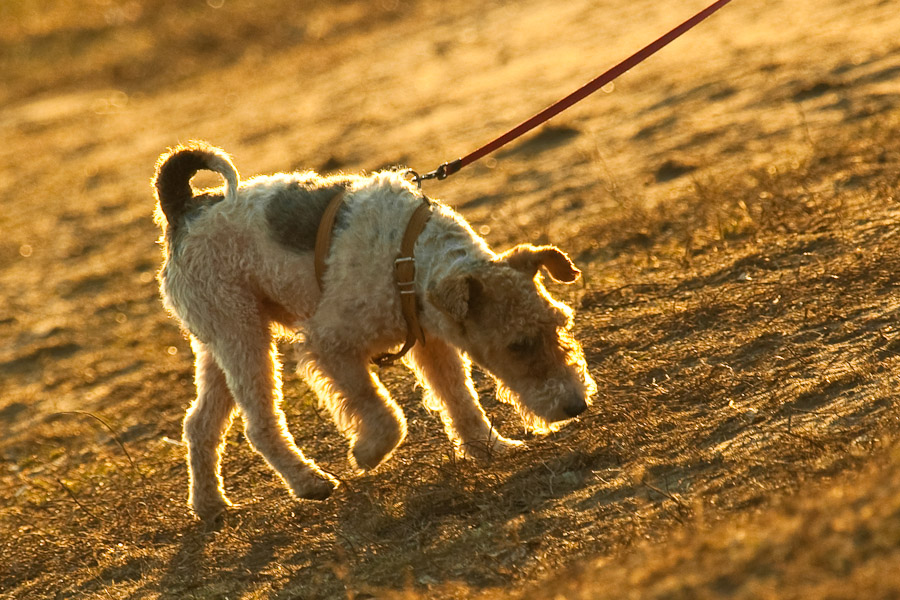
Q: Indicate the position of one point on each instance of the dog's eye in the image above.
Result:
(525, 345)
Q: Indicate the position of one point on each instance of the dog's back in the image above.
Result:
(261, 236)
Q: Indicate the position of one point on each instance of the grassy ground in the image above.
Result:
(733, 203)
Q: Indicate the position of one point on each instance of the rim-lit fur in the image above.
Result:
(238, 269)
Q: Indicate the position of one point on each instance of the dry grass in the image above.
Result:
(739, 309)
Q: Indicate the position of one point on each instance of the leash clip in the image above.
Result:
(418, 179)
(442, 172)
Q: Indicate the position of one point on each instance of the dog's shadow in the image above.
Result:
(196, 568)
(393, 530)
(462, 524)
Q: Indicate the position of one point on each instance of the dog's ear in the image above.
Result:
(528, 259)
(456, 296)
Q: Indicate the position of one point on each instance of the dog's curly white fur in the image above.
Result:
(238, 268)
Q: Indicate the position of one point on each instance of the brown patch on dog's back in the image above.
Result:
(294, 212)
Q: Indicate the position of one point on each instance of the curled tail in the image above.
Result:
(174, 171)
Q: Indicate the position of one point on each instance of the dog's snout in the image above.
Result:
(575, 407)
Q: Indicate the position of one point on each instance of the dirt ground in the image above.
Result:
(733, 203)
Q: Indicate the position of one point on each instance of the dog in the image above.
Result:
(240, 270)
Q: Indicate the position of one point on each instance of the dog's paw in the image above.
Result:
(370, 450)
(317, 486)
(210, 509)
(486, 449)
(367, 456)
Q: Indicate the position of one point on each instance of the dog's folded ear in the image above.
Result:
(528, 259)
(456, 296)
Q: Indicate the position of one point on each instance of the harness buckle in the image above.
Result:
(405, 274)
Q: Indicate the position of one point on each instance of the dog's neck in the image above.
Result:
(447, 247)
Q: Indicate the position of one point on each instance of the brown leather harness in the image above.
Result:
(404, 268)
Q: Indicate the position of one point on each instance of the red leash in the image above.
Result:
(449, 168)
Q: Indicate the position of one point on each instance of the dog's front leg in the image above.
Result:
(446, 376)
(358, 402)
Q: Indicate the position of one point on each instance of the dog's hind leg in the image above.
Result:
(357, 400)
(445, 374)
(205, 425)
(247, 355)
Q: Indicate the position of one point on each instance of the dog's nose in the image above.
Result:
(575, 407)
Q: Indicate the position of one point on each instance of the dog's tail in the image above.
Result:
(174, 171)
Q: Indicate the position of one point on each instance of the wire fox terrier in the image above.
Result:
(239, 270)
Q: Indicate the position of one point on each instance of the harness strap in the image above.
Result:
(404, 269)
(323, 235)
(405, 278)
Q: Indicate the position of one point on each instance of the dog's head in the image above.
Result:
(502, 316)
